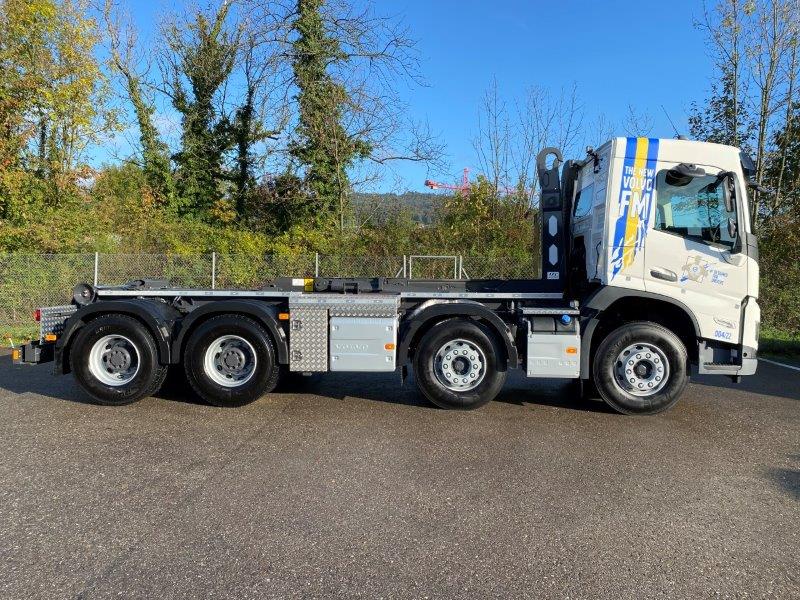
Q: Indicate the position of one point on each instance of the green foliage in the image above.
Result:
(155, 154)
(775, 341)
(779, 264)
(323, 145)
(721, 118)
(481, 224)
(205, 60)
(52, 101)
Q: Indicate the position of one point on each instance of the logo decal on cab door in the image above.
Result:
(635, 201)
(697, 269)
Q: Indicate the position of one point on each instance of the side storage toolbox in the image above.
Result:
(343, 332)
(553, 344)
(363, 343)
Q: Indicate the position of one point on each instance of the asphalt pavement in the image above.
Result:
(350, 486)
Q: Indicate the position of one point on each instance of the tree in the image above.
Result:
(772, 35)
(322, 145)
(196, 64)
(722, 120)
(507, 145)
(347, 63)
(154, 152)
(259, 65)
(787, 141)
(52, 97)
(754, 47)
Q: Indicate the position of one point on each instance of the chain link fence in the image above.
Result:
(31, 280)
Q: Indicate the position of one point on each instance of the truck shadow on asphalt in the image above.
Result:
(770, 380)
(385, 387)
(787, 480)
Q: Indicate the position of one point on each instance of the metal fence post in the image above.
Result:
(96, 267)
(316, 264)
(405, 268)
(213, 270)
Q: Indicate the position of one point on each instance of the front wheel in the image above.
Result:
(457, 365)
(641, 368)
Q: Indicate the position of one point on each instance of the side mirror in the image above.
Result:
(732, 228)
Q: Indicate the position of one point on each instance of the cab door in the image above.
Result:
(690, 254)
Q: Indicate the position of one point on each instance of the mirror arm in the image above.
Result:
(729, 183)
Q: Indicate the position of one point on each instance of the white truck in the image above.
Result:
(649, 267)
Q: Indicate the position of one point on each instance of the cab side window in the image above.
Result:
(583, 201)
(692, 207)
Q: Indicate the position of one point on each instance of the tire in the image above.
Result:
(650, 351)
(235, 371)
(115, 360)
(432, 362)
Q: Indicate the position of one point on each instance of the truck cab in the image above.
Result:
(663, 226)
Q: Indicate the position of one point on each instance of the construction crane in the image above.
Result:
(463, 188)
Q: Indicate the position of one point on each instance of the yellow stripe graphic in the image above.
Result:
(632, 223)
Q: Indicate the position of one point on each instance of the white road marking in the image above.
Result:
(780, 364)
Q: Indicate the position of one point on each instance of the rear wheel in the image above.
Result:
(230, 361)
(641, 368)
(456, 365)
(115, 360)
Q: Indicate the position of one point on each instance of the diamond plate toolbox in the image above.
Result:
(308, 339)
(308, 324)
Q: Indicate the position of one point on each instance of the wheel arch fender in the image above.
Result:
(432, 311)
(157, 317)
(261, 312)
(604, 303)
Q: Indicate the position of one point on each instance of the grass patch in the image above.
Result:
(779, 343)
(15, 335)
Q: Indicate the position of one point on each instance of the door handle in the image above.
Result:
(663, 274)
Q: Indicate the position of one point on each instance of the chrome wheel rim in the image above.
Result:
(641, 369)
(114, 360)
(459, 365)
(230, 361)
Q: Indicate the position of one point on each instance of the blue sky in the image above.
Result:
(619, 53)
